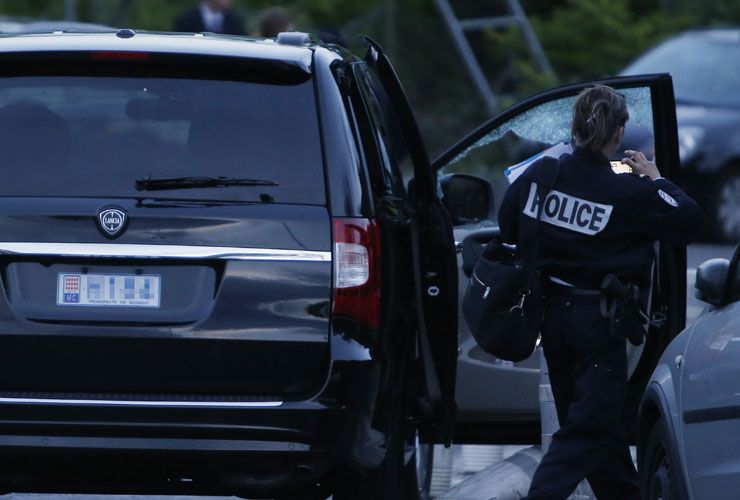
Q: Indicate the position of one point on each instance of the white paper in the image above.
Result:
(556, 151)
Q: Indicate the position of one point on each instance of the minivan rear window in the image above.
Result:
(95, 136)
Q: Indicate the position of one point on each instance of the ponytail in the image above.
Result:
(598, 113)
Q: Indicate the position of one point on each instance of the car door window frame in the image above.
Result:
(670, 165)
(732, 290)
(384, 131)
(433, 261)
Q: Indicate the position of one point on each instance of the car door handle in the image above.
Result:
(678, 361)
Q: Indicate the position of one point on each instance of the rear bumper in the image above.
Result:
(92, 448)
(219, 445)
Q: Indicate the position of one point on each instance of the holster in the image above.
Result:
(621, 305)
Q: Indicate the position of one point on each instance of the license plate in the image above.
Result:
(108, 290)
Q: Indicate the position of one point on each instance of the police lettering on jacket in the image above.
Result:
(569, 212)
(581, 240)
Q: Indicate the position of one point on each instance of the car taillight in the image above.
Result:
(357, 271)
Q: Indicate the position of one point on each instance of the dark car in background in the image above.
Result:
(705, 65)
(15, 26)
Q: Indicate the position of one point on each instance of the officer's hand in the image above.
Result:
(640, 164)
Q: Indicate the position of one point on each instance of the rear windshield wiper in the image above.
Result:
(150, 184)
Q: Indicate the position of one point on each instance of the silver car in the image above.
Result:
(689, 418)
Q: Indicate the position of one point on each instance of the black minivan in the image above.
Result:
(228, 267)
(213, 275)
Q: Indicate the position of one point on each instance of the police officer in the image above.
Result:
(595, 223)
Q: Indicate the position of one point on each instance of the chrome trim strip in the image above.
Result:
(169, 404)
(123, 251)
(478, 279)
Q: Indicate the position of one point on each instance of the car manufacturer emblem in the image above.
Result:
(112, 221)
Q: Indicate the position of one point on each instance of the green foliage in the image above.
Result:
(592, 38)
(709, 12)
(31, 8)
(583, 39)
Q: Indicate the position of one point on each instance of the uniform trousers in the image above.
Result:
(588, 374)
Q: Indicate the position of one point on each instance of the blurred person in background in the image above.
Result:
(214, 16)
(273, 21)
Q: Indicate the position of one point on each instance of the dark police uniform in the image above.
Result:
(595, 222)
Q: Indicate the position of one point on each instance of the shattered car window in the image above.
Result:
(545, 126)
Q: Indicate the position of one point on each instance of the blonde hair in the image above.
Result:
(598, 113)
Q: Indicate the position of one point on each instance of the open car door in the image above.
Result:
(435, 269)
(498, 400)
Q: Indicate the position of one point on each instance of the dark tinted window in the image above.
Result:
(705, 67)
(94, 136)
(387, 130)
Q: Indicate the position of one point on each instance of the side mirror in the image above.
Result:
(711, 281)
(469, 199)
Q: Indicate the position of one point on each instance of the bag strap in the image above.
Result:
(545, 176)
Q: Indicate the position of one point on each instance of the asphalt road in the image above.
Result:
(697, 254)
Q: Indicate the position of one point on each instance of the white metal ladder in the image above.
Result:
(459, 27)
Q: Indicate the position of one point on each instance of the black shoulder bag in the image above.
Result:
(504, 301)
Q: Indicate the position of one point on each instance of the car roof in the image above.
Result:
(205, 44)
